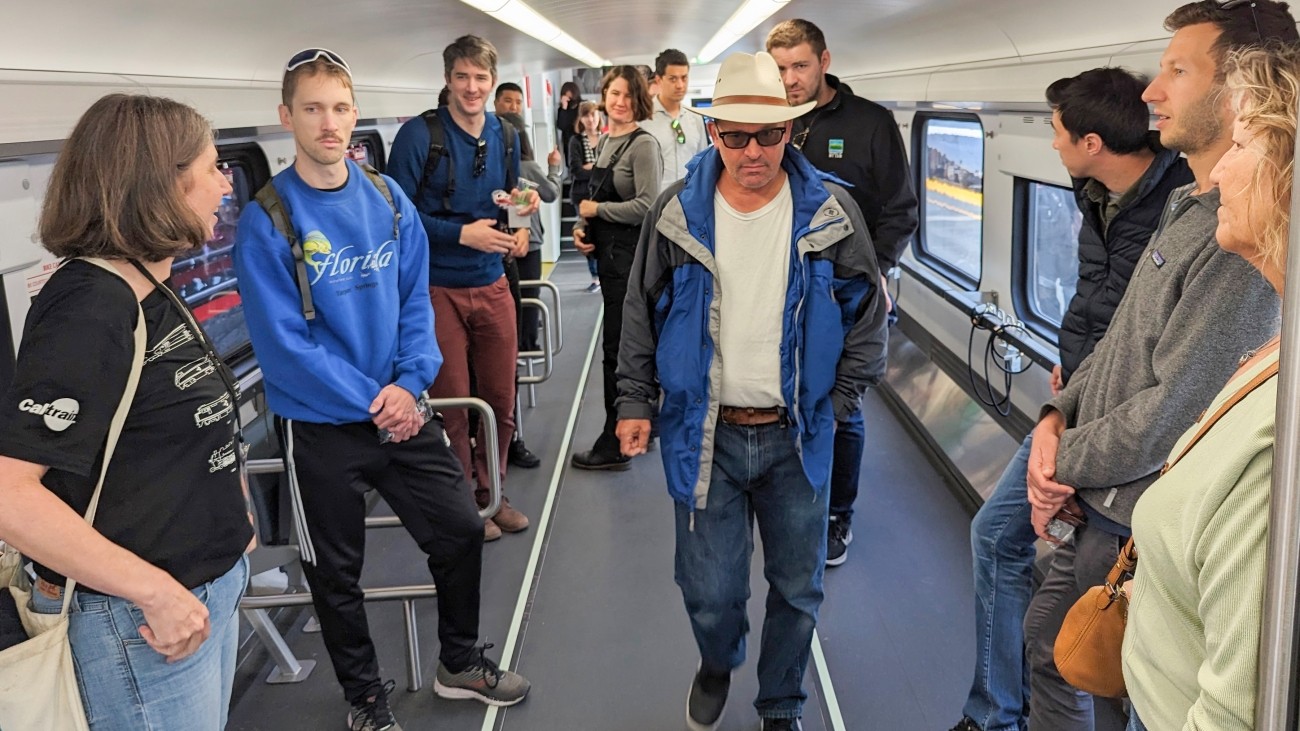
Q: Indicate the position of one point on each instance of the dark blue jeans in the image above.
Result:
(1002, 545)
(850, 441)
(756, 474)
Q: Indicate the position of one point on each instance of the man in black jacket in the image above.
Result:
(1122, 178)
(857, 141)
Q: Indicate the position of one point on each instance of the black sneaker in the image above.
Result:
(966, 724)
(782, 724)
(519, 455)
(707, 700)
(839, 534)
(594, 460)
(372, 713)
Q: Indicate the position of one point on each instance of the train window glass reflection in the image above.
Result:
(951, 167)
(367, 148)
(1051, 240)
(205, 279)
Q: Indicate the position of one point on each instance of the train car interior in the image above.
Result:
(584, 601)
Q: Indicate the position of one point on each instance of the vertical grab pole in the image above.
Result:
(1275, 699)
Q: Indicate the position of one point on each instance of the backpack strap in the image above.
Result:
(509, 137)
(437, 150)
(378, 181)
(281, 218)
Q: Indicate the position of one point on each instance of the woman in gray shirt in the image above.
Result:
(624, 182)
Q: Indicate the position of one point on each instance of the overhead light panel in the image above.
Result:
(739, 25)
(523, 18)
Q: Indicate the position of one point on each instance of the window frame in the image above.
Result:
(920, 123)
(1020, 283)
(249, 157)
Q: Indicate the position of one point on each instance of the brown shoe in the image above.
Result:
(491, 531)
(508, 519)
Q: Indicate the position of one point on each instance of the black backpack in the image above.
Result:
(282, 219)
(438, 149)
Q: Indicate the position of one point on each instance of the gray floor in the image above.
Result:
(604, 638)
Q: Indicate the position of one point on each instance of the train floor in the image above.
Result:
(583, 603)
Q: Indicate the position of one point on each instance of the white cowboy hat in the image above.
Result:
(749, 91)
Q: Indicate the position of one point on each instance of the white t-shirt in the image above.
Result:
(753, 255)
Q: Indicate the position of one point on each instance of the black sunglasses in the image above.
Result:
(307, 55)
(734, 140)
(1238, 3)
(480, 158)
(676, 126)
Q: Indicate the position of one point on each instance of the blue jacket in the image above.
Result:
(374, 320)
(833, 341)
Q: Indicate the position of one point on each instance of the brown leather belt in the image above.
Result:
(753, 416)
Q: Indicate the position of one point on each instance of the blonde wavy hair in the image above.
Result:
(1264, 86)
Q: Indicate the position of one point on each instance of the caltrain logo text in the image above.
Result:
(59, 414)
(338, 263)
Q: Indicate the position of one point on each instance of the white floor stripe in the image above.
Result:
(516, 623)
(828, 690)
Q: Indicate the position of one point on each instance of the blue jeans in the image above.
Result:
(850, 441)
(1002, 545)
(125, 684)
(756, 473)
(1135, 723)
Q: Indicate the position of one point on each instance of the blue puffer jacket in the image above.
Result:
(833, 324)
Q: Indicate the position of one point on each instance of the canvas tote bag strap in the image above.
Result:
(119, 416)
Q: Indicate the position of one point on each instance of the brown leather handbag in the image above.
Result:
(1087, 650)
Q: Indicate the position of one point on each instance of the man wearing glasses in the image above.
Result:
(342, 376)
(858, 141)
(451, 184)
(759, 343)
(680, 136)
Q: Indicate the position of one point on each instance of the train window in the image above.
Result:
(950, 165)
(1046, 242)
(205, 279)
(367, 148)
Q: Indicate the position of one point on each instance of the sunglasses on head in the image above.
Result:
(308, 55)
(480, 158)
(735, 140)
(1230, 4)
(676, 126)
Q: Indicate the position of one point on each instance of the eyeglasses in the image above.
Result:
(1230, 4)
(480, 158)
(676, 126)
(735, 140)
(307, 55)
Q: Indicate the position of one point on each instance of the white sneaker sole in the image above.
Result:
(465, 694)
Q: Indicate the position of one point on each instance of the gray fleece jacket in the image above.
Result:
(1191, 311)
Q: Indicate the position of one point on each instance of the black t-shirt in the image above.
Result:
(172, 495)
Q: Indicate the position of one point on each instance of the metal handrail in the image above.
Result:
(1275, 697)
(273, 466)
(548, 360)
(558, 322)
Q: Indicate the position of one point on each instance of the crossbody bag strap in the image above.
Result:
(1127, 560)
(1241, 393)
(119, 416)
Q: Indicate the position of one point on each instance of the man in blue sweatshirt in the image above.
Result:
(471, 298)
(344, 385)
